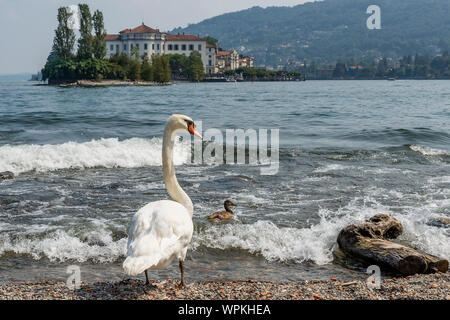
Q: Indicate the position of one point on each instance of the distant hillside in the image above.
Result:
(331, 30)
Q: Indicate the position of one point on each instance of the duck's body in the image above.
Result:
(162, 230)
(222, 215)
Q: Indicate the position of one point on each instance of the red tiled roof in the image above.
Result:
(210, 45)
(112, 37)
(223, 53)
(183, 37)
(141, 29)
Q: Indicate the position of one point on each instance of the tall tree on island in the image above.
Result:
(212, 41)
(157, 68)
(146, 69)
(134, 73)
(161, 68)
(99, 45)
(167, 74)
(195, 69)
(86, 39)
(64, 40)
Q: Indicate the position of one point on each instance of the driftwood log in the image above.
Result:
(6, 175)
(368, 241)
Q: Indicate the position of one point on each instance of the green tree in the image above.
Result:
(212, 41)
(161, 68)
(196, 71)
(157, 68)
(85, 40)
(64, 40)
(134, 71)
(99, 44)
(121, 59)
(179, 65)
(167, 75)
(147, 70)
(52, 55)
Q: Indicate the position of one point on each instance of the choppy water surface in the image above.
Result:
(87, 159)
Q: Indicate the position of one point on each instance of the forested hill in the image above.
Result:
(332, 30)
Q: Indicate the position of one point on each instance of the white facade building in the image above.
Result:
(152, 41)
(210, 66)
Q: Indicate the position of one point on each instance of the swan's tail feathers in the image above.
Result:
(136, 265)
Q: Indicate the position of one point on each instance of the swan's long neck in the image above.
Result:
(172, 186)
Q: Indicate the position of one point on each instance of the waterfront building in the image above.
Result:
(152, 41)
(227, 60)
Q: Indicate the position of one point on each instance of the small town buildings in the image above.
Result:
(246, 62)
(151, 41)
(227, 60)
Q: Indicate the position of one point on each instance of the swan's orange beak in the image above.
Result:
(194, 132)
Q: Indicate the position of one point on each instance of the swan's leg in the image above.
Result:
(182, 284)
(146, 278)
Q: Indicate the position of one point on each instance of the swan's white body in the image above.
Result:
(162, 230)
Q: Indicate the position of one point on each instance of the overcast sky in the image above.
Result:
(28, 25)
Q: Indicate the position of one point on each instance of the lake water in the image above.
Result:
(87, 159)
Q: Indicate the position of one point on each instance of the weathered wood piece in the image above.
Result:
(368, 241)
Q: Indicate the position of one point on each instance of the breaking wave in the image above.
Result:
(62, 246)
(106, 153)
(316, 243)
(427, 151)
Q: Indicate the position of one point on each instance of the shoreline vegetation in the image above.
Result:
(417, 287)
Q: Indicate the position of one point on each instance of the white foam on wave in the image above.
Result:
(107, 153)
(439, 180)
(265, 238)
(425, 237)
(333, 167)
(61, 246)
(316, 243)
(274, 243)
(427, 151)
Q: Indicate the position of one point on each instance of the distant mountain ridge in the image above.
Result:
(331, 30)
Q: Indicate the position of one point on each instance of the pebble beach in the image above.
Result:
(417, 287)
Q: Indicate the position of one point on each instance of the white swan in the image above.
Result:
(162, 230)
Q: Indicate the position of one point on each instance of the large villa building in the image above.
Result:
(151, 41)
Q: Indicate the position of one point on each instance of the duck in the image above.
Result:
(223, 215)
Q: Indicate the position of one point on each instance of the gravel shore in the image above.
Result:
(418, 287)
